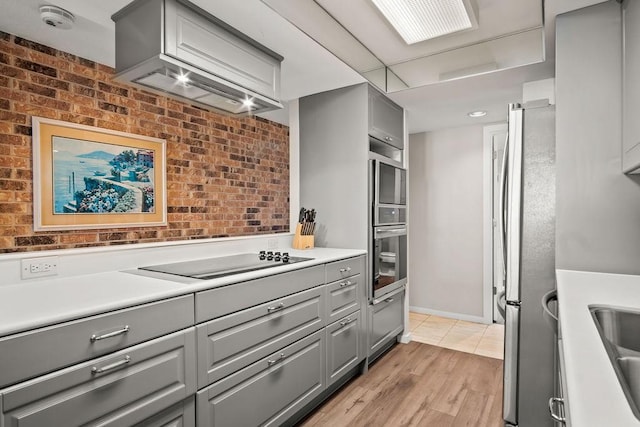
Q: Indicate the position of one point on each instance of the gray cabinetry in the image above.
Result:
(182, 414)
(386, 119)
(230, 343)
(123, 388)
(344, 346)
(343, 297)
(631, 88)
(228, 299)
(198, 40)
(268, 391)
(385, 321)
(345, 287)
(22, 355)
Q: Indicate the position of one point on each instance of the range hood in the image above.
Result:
(176, 48)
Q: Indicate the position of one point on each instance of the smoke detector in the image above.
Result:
(57, 17)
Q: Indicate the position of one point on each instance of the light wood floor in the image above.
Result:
(419, 384)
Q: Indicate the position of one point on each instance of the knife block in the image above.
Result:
(301, 241)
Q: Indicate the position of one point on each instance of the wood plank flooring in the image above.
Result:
(418, 384)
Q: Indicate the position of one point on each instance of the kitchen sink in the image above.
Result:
(619, 330)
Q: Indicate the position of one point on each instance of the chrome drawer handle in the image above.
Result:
(275, 308)
(122, 331)
(345, 270)
(347, 283)
(389, 300)
(552, 402)
(95, 370)
(347, 321)
(272, 362)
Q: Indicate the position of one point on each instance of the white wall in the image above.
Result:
(445, 243)
(598, 207)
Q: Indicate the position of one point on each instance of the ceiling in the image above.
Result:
(309, 67)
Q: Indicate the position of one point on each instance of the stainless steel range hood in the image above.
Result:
(174, 47)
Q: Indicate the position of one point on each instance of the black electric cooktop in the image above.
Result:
(211, 268)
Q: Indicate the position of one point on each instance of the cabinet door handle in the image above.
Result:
(552, 406)
(347, 283)
(122, 331)
(95, 370)
(346, 321)
(345, 270)
(273, 308)
(389, 300)
(272, 362)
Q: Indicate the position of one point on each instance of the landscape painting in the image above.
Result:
(88, 177)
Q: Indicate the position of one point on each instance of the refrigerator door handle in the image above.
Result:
(511, 353)
(502, 303)
(514, 204)
(503, 211)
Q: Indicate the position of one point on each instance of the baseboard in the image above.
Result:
(459, 316)
(405, 338)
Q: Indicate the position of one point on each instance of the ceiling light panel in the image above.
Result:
(419, 20)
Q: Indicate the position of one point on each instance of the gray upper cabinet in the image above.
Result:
(195, 39)
(631, 89)
(386, 119)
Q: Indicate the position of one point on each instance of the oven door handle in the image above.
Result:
(382, 233)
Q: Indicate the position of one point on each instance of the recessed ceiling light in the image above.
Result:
(420, 20)
(478, 113)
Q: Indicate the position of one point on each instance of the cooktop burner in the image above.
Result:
(211, 268)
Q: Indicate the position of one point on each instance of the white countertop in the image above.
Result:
(595, 396)
(29, 305)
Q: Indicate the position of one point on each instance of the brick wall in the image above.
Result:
(226, 176)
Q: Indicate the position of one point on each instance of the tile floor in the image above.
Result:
(476, 338)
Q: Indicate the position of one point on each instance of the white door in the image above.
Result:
(497, 147)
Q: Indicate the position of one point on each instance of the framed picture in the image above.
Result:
(88, 177)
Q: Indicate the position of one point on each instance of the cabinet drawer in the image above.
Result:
(269, 391)
(182, 414)
(21, 355)
(228, 299)
(345, 268)
(343, 297)
(108, 390)
(343, 346)
(232, 342)
(386, 321)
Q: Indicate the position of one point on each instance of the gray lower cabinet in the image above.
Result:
(268, 391)
(344, 346)
(182, 414)
(228, 299)
(232, 342)
(386, 321)
(343, 297)
(21, 355)
(123, 388)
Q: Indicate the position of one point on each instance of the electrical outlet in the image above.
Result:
(39, 267)
(272, 244)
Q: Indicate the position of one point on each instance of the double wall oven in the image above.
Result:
(388, 238)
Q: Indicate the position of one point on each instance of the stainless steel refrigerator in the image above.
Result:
(528, 238)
